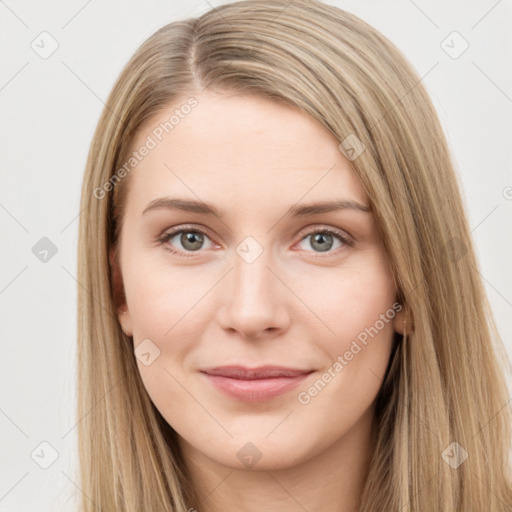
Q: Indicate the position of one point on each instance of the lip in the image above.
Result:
(255, 384)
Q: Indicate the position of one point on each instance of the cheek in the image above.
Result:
(164, 306)
(161, 298)
(358, 304)
(355, 304)
(349, 298)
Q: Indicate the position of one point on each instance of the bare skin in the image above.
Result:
(302, 303)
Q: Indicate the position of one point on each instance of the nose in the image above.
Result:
(255, 300)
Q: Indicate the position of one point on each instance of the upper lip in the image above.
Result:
(261, 372)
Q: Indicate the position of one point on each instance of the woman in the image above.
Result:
(280, 303)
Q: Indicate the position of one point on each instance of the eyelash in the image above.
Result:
(163, 239)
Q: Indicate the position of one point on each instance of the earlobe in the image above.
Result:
(402, 323)
(125, 321)
(120, 305)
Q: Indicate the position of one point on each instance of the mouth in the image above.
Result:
(257, 384)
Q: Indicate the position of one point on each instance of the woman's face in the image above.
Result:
(267, 280)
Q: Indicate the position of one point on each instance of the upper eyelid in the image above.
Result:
(308, 229)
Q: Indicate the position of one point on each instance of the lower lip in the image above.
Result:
(257, 390)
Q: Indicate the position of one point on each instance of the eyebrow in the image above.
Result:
(302, 210)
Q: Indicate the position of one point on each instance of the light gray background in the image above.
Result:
(49, 110)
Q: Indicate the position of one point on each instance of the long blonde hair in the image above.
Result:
(444, 384)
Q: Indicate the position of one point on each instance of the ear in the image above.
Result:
(402, 322)
(121, 307)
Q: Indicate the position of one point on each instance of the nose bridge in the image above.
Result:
(256, 296)
(253, 280)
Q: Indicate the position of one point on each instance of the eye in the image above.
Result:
(323, 240)
(187, 240)
(190, 240)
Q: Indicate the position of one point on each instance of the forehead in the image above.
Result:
(246, 148)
